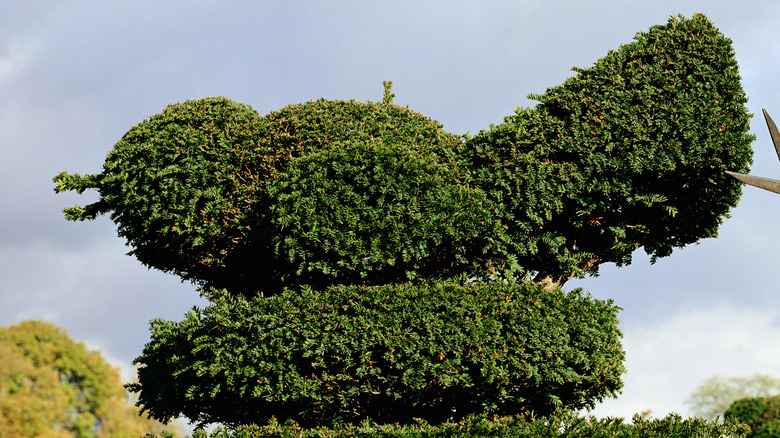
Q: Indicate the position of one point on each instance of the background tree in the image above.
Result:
(714, 395)
(762, 414)
(52, 386)
(32, 401)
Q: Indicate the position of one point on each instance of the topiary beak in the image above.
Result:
(772, 185)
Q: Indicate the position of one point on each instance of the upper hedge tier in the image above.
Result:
(318, 193)
(629, 153)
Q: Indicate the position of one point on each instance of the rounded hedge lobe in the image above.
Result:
(182, 186)
(378, 213)
(312, 126)
(388, 353)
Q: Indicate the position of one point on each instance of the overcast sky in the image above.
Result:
(75, 76)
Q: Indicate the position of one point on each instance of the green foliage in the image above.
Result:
(180, 186)
(559, 425)
(211, 191)
(354, 205)
(387, 99)
(376, 213)
(356, 220)
(31, 398)
(629, 153)
(714, 395)
(389, 353)
(52, 386)
(747, 410)
(761, 414)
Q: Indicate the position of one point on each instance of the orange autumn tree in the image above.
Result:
(52, 386)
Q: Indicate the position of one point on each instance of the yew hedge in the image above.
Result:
(390, 353)
(558, 425)
(337, 239)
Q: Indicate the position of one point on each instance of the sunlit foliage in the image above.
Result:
(326, 199)
(52, 386)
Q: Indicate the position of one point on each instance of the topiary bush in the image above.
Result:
(365, 263)
(389, 353)
(629, 153)
(558, 425)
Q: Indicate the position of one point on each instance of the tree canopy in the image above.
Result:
(32, 401)
(52, 386)
(714, 395)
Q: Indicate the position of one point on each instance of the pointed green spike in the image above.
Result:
(772, 185)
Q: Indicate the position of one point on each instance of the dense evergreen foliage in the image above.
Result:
(558, 425)
(373, 195)
(363, 263)
(762, 414)
(389, 353)
(318, 193)
(628, 153)
(182, 186)
(375, 213)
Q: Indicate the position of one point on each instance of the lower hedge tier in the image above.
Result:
(560, 425)
(393, 353)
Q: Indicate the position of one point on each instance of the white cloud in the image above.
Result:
(15, 57)
(667, 360)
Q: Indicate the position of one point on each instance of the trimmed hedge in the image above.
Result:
(378, 213)
(389, 353)
(319, 193)
(559, 425)
(762, 414)
(629, 153)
